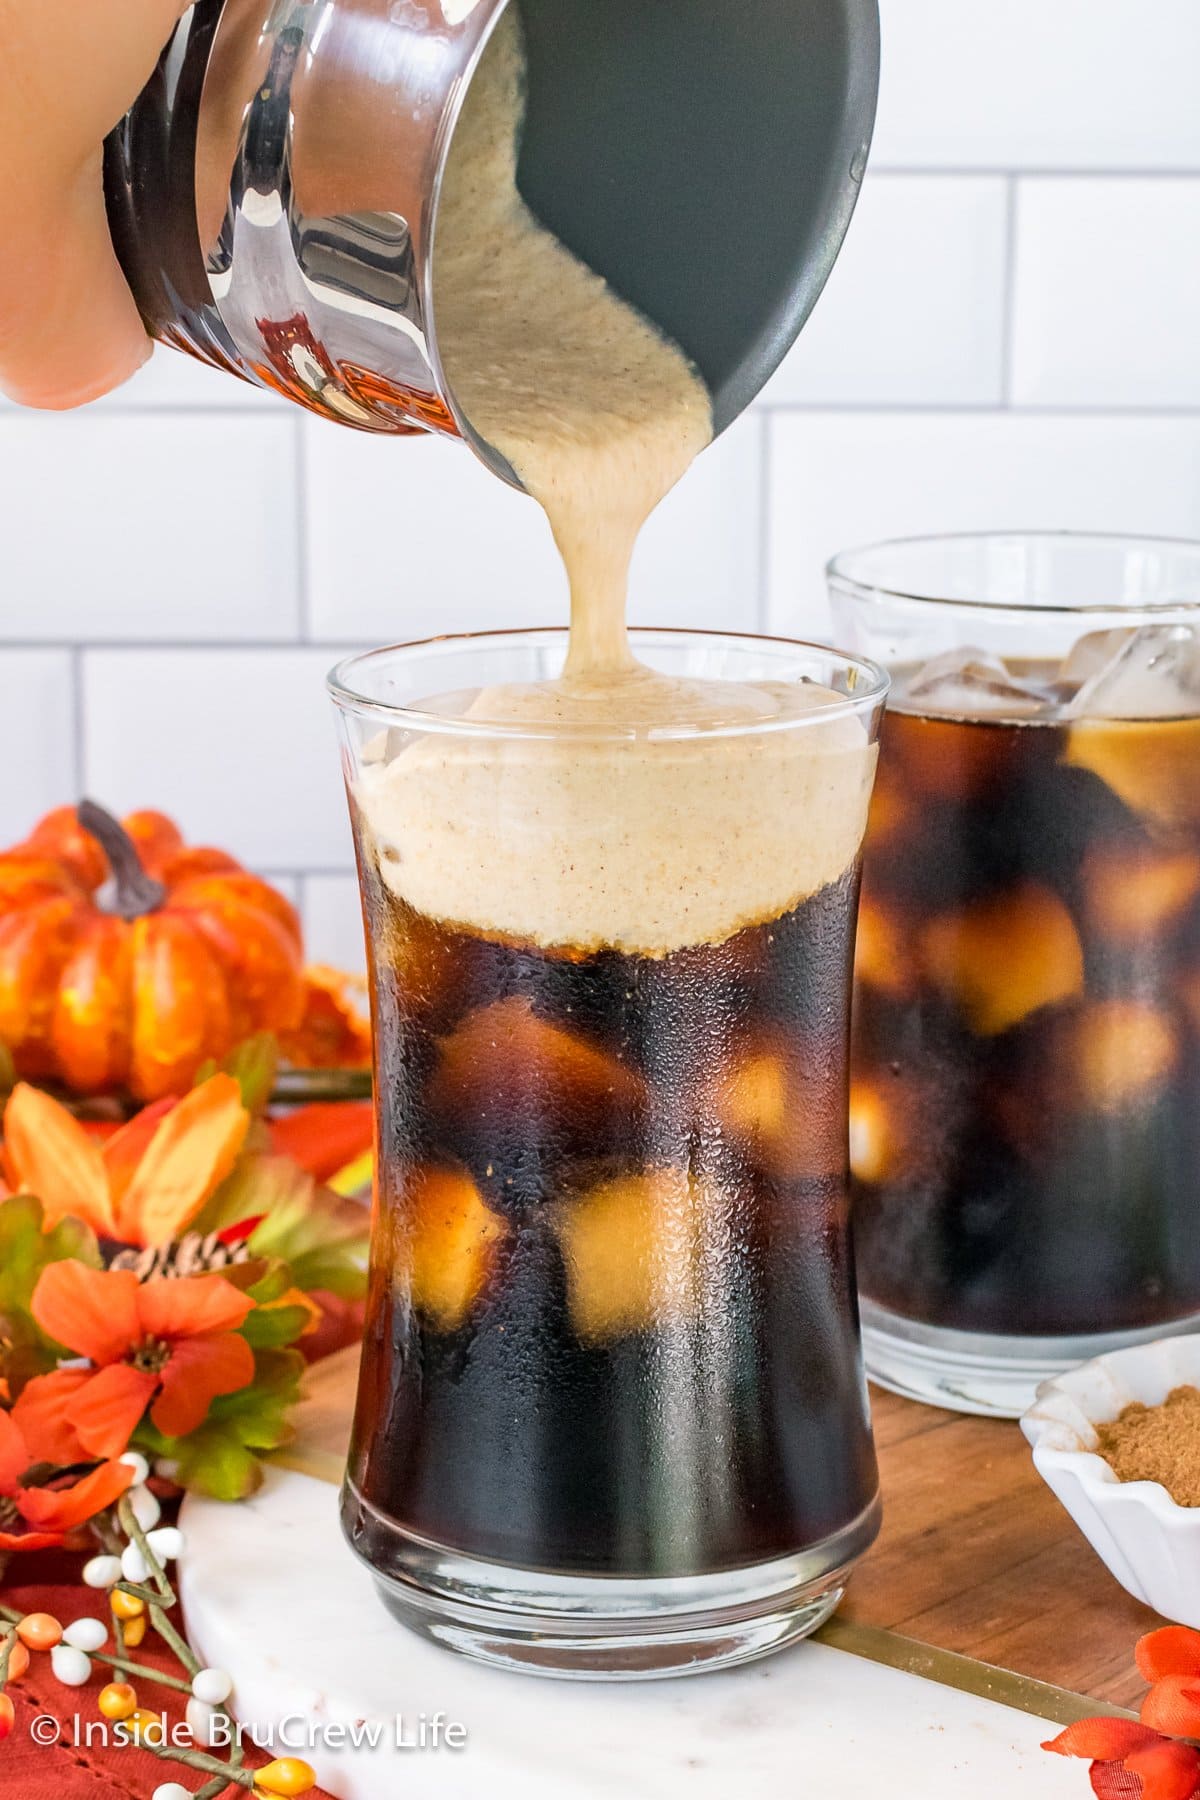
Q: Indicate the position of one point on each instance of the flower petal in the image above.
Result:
(326, 1135)
(125, 1148)
(1103, 1740)
(1113, 1781)
(197, 1305)
(91, 1311)
(199, 1371)
(50, 1154)
(192, 1151)
(1172, 1650)
(41, 1415)
(29, 1540)
(63, 1509)
(1173, 1706)
(108, 1408)
(1169, 1770)
(14, 1454)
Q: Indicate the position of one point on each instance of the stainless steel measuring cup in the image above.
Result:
(274, 193)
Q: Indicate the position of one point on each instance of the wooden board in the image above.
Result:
(977, 1556)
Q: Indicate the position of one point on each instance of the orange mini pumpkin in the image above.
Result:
(128, 959)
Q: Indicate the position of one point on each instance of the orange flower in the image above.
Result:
(170, 1345)
(39, 1518)
(334, 1032)
(1145, 1757)
(147, 1182)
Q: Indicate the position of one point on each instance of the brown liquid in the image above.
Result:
(1025, 1120)
(612, 1325)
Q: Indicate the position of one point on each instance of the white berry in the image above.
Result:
(166, 1542)
(102, 1571)
(133, 1459)
(144, 1506)
(86, 1634)
(134, 1566)
(70, 1666)
(213, 1686)
(171, 1790)
(200, 1718)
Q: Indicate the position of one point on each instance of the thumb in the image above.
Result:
(69, 329)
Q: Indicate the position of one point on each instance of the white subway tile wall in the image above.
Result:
(1008, 339)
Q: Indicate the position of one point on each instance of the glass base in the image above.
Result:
(982, 1372)
(603, 1628)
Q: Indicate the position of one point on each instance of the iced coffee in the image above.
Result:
(1025, 1114)
(612, 1417)
(612, 1329)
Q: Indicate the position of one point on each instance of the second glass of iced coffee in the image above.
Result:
(612, 1418)
(1026, 1095)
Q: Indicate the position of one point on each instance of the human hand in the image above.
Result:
(69, 329)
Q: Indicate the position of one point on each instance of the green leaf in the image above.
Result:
(273, 1285)
(254, 1066)
(222, 1458)
(323, 1237)
(270, 1328)
(25, 1250)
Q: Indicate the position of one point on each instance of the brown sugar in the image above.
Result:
(1158, 1443)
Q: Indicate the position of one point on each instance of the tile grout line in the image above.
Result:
(318, 871)
(959, 408)
(1040, 171)
(764, 521)
(188, 646)
(79, 711)
(303, 593)
(1008, 344)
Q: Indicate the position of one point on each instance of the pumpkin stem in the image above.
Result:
(134, 891)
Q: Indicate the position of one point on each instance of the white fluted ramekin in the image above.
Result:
(1149, 1543)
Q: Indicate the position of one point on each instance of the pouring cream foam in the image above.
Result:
(606, 832)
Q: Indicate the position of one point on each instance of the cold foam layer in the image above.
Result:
(597, 412)
(642, 844)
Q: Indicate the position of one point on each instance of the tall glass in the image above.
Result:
(612, 1418)
(1026, 1084)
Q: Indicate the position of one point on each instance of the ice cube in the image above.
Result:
(1135, 891)
(889, 1134)
(1005, 957)
(1152, 673)
(882, 958)
(779, 1102)
(1090, 653)
(1119, 1055)
(634, 1250)
(517, 1096)
(970, 683)
(1152, 765)
(449, 1246)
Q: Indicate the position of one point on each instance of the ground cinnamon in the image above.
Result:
(1158, 1443)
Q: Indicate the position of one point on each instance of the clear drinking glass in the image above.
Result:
(1025, 1116)
(612, 1417)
